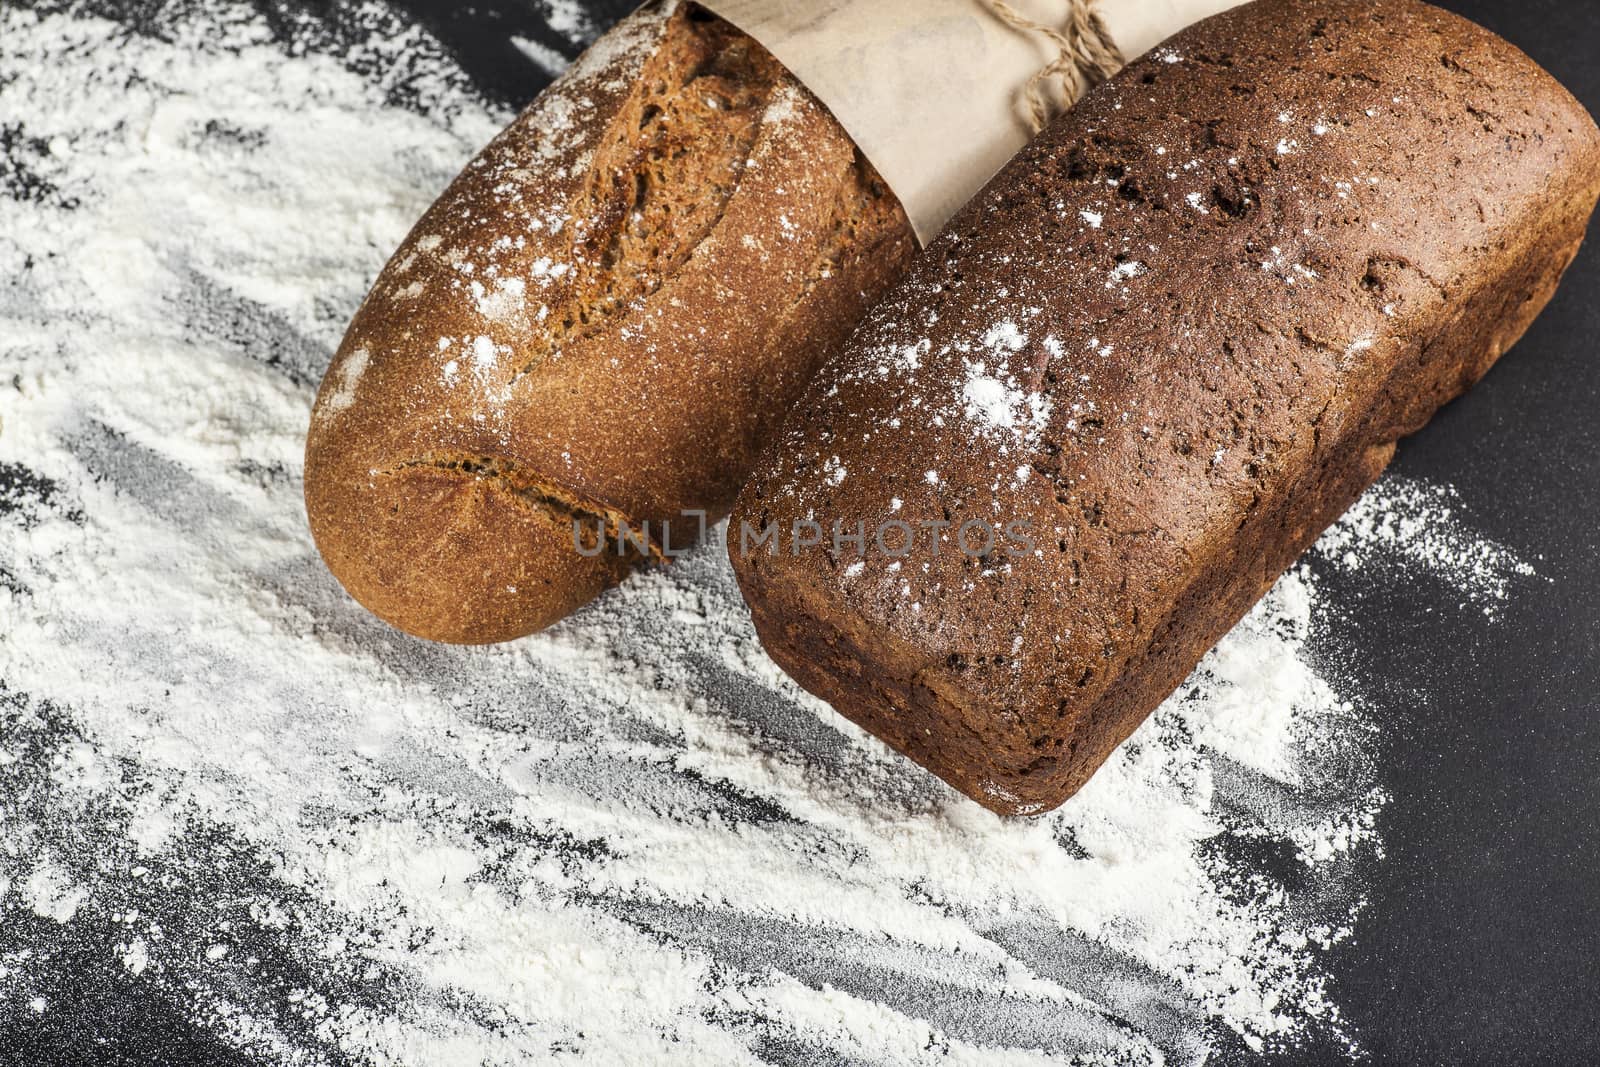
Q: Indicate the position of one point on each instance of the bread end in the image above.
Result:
(451, 553)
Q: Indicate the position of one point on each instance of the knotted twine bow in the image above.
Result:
(1086, 55)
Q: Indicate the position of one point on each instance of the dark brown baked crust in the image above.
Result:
(1178, 336)
(597, 321)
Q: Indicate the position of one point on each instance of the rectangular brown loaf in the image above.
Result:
(1176, 337)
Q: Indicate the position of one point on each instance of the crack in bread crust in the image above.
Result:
(673, 158)
(556, 504)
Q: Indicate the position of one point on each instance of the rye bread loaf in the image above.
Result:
(595, 323)
(1177, 337)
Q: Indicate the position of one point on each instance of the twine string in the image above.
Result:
(1085, 56)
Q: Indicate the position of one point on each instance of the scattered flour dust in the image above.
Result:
(630, 840)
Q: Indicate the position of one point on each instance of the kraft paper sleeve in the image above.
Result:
(930, 89)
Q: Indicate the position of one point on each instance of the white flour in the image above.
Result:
(630, 840)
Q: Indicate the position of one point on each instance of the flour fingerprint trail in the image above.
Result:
(240, 817)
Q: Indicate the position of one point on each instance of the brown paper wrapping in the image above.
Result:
(930, 89)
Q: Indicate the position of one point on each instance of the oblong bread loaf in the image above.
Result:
(591, 330)
(1175, 339)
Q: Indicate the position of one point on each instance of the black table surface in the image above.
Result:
(1481, 942)
(1481, 939)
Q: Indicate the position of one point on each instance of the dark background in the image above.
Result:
(1480, 942)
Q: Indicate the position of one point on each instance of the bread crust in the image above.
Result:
(1178, 336)
(597, 322)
